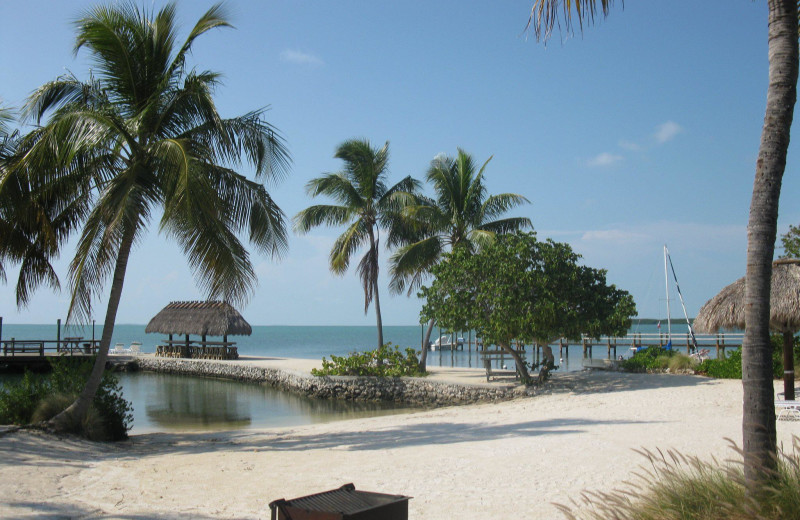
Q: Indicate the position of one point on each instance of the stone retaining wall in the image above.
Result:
(410, 390)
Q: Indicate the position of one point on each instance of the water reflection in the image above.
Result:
(167, 402)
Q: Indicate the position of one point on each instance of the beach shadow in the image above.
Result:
(437, 433)
(49, 511)
(602, 381)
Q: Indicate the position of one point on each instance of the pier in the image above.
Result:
(33, 353)
(612, 346)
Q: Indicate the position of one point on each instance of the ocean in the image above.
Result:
(316, 342)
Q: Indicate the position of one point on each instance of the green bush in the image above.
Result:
(728, 367)
(38, 396)
(681, 362)
(383, 362)
(19, 400)
(648, 359)
(673, 486)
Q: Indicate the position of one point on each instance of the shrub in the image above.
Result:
(19, 400)
(383, 362)
(677, 487)
(728, 367)
(109, 417)
(650, 358)
(681, 362)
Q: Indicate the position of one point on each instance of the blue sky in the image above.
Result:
(641, 131)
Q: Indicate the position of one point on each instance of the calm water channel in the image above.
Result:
(166, 402)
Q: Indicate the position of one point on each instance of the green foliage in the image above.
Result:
(681, 362)
(652, 358)
(42, 396)
(19, 400)
(730, 367)
(791, 242)
(727, 367)
(521, 288)
(383, 362)
(679, 487)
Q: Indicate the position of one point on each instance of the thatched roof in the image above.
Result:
(726, 310)
(200, 318)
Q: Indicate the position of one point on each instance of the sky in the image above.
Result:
(641, 131)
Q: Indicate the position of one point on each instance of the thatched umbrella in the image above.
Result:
(726, 310)
(212, 318)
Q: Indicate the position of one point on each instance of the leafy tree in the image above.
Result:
(365, 206)
(521, 288)
(144, 134)
(791, 242)
(460, 215)
(758, 421)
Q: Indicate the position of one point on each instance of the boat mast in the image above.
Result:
(666, 286)
(683, 305)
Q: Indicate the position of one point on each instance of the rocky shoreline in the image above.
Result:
(407, 390)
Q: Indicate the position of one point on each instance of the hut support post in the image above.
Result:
(788, 366)
(58, 335)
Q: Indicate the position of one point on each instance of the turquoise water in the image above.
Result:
(320, 341)
(166, 402)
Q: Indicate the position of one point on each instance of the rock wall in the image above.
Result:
(410, 390)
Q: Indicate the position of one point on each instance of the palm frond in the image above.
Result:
(338, 187)
(496, 205)
(346, 245)
(546, 14)
(410, 264)
(368, 274)
(507, 225)
(318, 215)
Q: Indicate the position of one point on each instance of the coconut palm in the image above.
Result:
(144, 135)
(460, 215)
(758, 422)
(365, 206)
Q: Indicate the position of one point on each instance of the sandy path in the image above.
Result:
(483, 461)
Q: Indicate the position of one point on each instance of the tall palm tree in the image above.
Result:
(758, 422)
(365, 206)
(461, 215)
(144, 134)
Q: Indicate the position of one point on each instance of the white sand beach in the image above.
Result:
(505, 460)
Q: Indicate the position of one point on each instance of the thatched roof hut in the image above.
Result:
(726, 310)
(210, 318)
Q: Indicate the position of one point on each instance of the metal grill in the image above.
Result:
(344, 503)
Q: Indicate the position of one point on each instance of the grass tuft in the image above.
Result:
(673, 486)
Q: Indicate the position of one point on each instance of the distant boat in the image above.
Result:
(446, 343)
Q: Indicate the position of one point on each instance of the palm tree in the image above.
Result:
(461, 215)
(365, 206)
(758, 422)
(143, 135)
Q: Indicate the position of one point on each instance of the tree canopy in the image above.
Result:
(791, 242)
(522, 288)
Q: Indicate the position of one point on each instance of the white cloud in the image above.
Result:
(629, 145)
(615, 236)
(667, 131)
(604, 159)
(300, 58)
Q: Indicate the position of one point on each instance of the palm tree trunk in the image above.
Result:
(373, 244)
(788, 366)
(378, 314)
(78, 409)
(758, 423)
(423, 359)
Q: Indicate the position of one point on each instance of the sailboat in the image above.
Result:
(668, 262)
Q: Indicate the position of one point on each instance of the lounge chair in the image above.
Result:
(119, 348)
(789, 410)
(136, 348)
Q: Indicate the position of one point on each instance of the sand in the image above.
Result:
(505, 460)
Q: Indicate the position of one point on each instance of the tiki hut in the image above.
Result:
(208, 318)
(726, 310)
